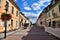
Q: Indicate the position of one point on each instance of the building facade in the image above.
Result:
(52, 18)
(41, 20)
(13, 9)
(17, 20)
(53, 15)
(23, 20)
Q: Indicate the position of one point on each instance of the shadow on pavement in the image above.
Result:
(1, 38)
(38, 33)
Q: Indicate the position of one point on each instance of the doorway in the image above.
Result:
(54, 24)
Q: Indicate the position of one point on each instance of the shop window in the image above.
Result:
(54, 24)
(49, 24)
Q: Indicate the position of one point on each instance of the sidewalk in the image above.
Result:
(18, 34)
(9, 33)
(35, 33)
(53, 31)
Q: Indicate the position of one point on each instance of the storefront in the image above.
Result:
(48, 23)
(56, 22)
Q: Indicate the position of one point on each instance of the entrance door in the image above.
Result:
(49, 24)
(54, 23)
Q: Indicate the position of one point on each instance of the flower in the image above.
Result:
(5, 16)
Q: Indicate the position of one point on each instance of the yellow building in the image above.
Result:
(23, 20)
(14, 10)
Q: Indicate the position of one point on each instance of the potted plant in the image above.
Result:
(5, 16)
(26, 25)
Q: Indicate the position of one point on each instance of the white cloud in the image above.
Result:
(15, 0)
(32, 16)
(37, 5)
(25, 3)
(33, 20)
(27, 8)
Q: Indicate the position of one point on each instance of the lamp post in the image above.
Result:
(5, 21)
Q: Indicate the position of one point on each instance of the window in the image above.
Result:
(16, 23)
(48, 8)
(54, 24)
(12, 23)
(16, 13)
(40, 22)
(48, 14)
(12, 10)
(53, 12)
(0, 1)
(53, 2)
(0, 22)
(49, 24)
(59, 7)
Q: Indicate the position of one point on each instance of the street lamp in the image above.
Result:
(5, 22)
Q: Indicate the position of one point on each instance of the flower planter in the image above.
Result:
(5, 16)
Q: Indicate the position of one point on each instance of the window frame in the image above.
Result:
(16, 23)
(17, 13)
(0, 3)
(59, 7)
(12, 11)
(53, 12)
(11, 22)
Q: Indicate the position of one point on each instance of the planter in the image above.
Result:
(5, 16)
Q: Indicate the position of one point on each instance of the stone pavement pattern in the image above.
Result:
(36, 33)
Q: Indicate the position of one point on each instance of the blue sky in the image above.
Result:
(32, 8)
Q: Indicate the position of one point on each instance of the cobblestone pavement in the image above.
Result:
(17, 35)
(36, 33)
